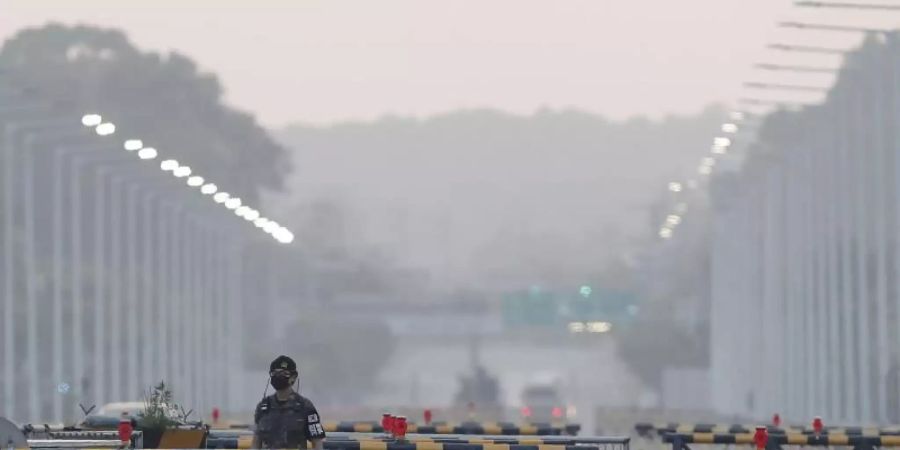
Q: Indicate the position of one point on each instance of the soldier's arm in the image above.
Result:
(315, 432)
(257, 414)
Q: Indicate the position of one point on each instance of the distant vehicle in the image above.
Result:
(132, 409)
(108, 416)
(543, 403)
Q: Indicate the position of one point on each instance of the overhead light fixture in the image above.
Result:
(133, 144)
(106, 129)
(91, 120)
(181, 171)
(147, 153)
(233, 203)
(168, 165)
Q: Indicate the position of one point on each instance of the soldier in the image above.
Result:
(286, 419)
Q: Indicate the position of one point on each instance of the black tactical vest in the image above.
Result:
(282, 424)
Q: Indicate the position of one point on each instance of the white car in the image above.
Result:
(132, 409)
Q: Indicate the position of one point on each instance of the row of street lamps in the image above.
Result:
(721, 144)
(235, 204)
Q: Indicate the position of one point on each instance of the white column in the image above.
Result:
(880, 242)
(116, 264)
(77, 261)
(860, 176)
(132, 308)
(851, 406)
(149, 372)
(9, 278)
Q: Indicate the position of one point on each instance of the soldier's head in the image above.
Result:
(283, 373)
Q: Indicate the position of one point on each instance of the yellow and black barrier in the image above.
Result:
(411, 445)
(463, 428)
(246, 440)
(379, 445)
(680, 441)
(649, 430)
(505, 428)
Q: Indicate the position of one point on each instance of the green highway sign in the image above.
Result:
(541, 307)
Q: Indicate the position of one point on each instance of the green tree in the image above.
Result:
(161, 98)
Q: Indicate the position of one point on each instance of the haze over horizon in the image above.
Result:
(334, 61)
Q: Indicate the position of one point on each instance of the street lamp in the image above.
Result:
(209, 189)
(91, 120)
(729, 128)
(784, 87)
(788, 68)
(826, 27)
(147, 153)
(181, 171)
(868, 6)
(195, 181)
(105, 129)
(251, 215)
(779, 103)
(133, 144)
(807, 49)
(233, 203)
(168, 165)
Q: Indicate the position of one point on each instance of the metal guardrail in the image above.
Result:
(648, 430)
(462, 428)
(378, 445)
(244, 441)
(679, 441)
(73, 443)
(443, 427)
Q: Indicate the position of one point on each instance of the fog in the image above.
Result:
(653, 211)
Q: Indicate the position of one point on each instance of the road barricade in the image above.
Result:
(649, 430)
(495, 428)
(681, 441)
(244, 440)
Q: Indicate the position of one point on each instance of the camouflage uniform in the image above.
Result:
(287, 424)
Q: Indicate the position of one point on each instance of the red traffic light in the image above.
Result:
(776, 420)
(427, 416)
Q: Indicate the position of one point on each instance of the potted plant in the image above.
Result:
(159, 414)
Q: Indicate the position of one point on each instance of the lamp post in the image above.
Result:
(828, 27)
(798, 69)
(844, 5)
(807, 49)
(784, 87)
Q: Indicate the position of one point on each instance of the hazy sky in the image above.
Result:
(321, 61)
